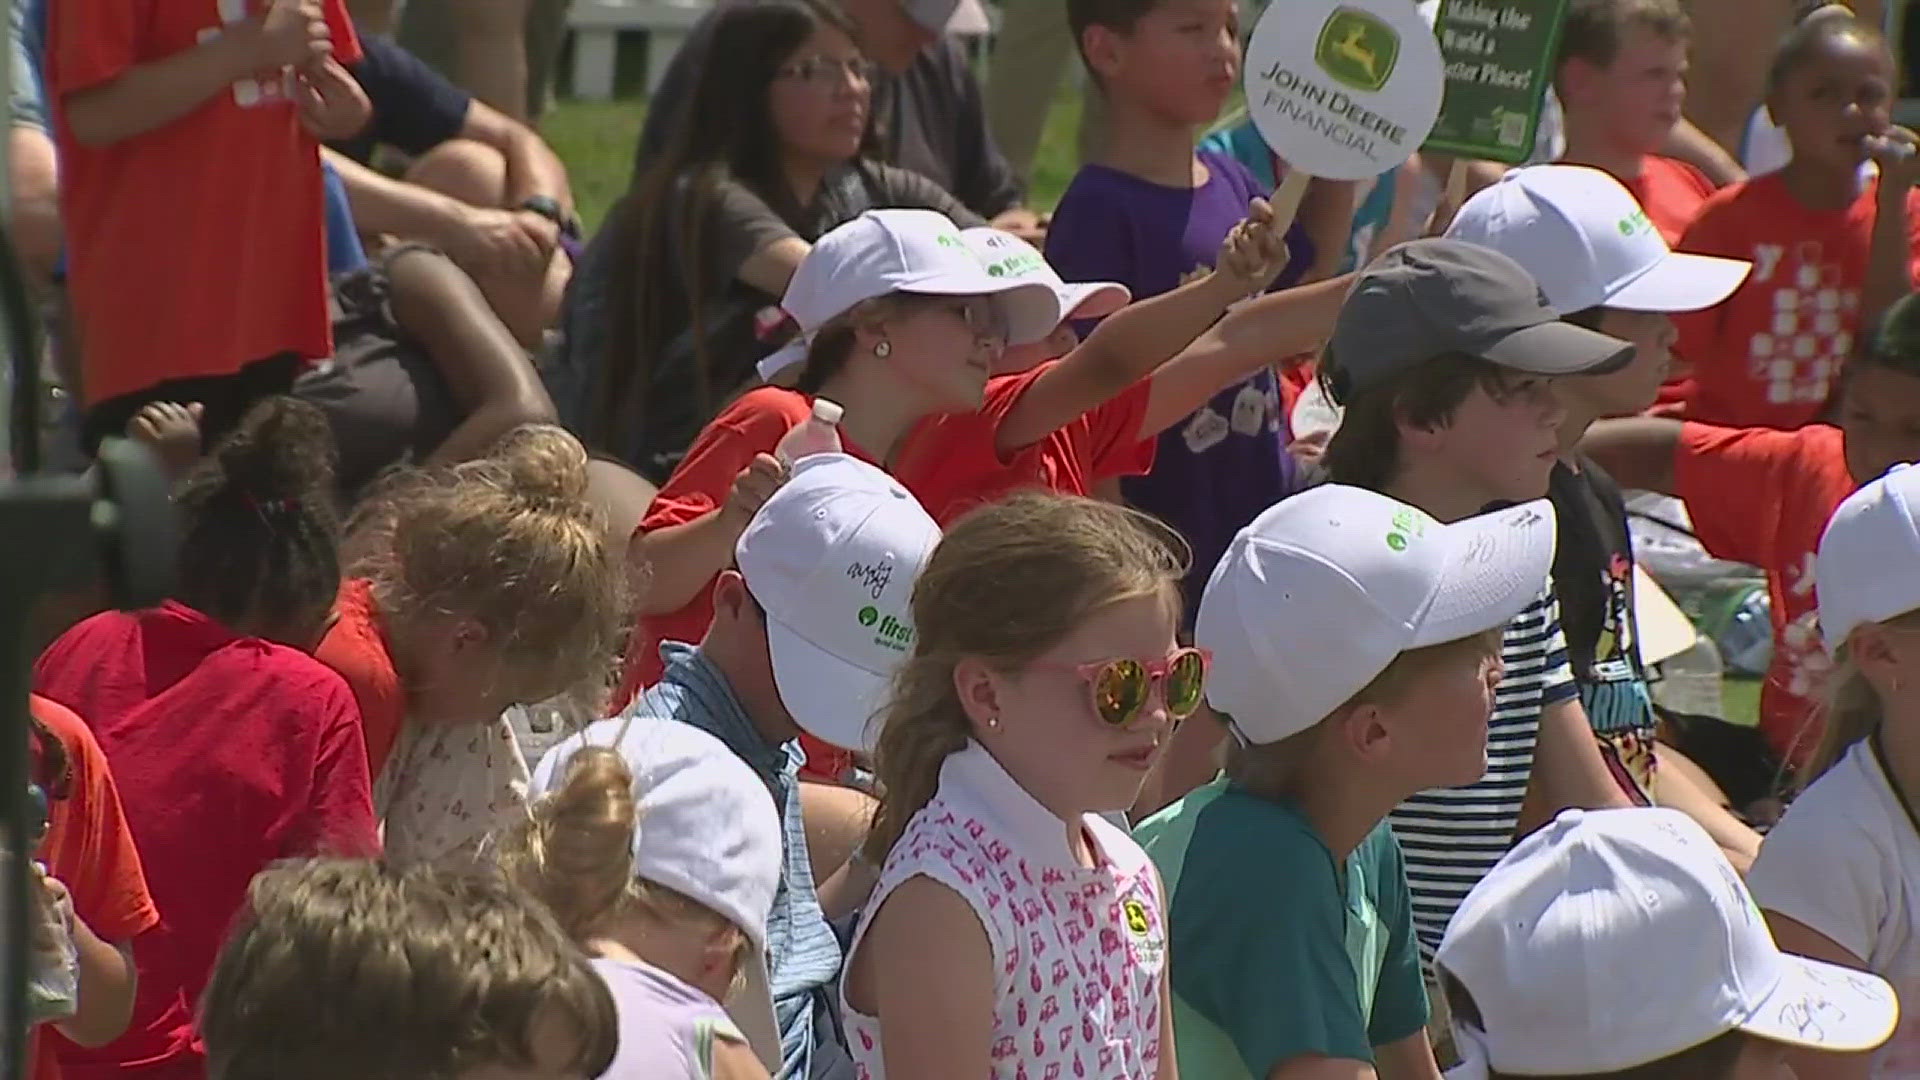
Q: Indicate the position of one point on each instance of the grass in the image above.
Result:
(596, 140)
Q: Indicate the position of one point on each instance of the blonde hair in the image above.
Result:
(1007, 582)
(1853, 708)
(513, 542)
(1277, 769)
(352, 968)
(575, 852)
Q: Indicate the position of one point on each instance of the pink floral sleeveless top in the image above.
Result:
(1079, 953)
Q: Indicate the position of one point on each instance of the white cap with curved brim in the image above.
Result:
(902, 251)
(1007, 256)
(832, 557)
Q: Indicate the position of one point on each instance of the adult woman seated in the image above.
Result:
(676, 297)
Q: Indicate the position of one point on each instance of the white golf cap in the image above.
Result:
(911, 251)
(1553, 947)
(832, 557)
(1868, 566)
(1321, 592)
(707, 828)
(1585, 239)
(1008, 256)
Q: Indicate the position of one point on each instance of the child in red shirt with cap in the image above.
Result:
(192, 196)
(1763, 496)
(1831, 245)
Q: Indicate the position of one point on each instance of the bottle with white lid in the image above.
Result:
(817, 434)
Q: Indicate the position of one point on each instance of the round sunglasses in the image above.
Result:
(1120, 689)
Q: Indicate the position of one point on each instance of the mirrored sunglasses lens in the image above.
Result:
(1186, 681)
(1120, 690)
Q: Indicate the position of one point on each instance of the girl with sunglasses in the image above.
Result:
(1014, 931)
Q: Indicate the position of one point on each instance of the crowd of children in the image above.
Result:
(1208, 643)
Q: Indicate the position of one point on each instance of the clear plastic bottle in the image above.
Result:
(817, 434)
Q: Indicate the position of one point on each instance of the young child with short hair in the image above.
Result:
(1831, 244)
(1832, 876)
(1355, 655)
(1621, 76)
(192, 195)
(1540, 959)
(1806, 474)
(659, 851)
(1601, 263)
(349, 968)
(1013, 929)
(1444, 359)
(1149, 211)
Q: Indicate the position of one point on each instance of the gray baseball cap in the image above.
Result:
(1426, 298)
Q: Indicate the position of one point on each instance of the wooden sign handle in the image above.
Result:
(1286, 198)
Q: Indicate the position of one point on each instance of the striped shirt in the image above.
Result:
(803, 955)
(1451, 837)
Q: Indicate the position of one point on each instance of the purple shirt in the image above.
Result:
(667, 1027)
(1218, 469)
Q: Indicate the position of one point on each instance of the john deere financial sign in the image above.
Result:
(1352, 96)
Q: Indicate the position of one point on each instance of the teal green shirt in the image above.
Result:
(1278, 951)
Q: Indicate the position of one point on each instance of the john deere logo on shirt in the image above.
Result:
(1136, 913)
(1357, 49)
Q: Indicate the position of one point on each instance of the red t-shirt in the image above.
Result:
(242, 752)
(1768, 355)
(1671, 192)
(1763, 497)
(90, 849)
(356, 647)
(197, 247)
(950, 465)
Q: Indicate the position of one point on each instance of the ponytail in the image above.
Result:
(1852, 714)
(575, 851)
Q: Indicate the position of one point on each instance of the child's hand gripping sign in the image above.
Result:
(1341, 89)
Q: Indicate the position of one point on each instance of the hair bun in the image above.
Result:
(542, 465)
(282, 453)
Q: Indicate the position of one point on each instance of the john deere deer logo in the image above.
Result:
(1357, 49)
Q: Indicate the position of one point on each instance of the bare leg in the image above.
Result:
(476, 175)
(34, 193)
(623, 496)
(490, 44)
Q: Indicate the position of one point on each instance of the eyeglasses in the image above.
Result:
(828, 71)
(982, 317)
(1120, 689)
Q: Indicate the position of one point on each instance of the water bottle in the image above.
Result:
(817, 434)
(53, 983)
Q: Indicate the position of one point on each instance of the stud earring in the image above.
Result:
(883, 349)
(993, 722)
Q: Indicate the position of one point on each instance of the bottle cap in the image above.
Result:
(827, 412)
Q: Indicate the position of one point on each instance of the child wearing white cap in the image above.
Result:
(1837, 877)
(1547, 964)
(954, 462)
(1014, 932)
(1356, 649)
(1602, 264)
(809, 625)
(659, 851)
(899, 321)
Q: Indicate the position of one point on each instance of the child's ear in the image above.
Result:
(1575, 80)
(978, 687)
(1365, 734)
(729, 593)
(1102, 47)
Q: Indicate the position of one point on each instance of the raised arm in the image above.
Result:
(1637, 451)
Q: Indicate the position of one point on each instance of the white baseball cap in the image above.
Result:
(706, 827)
(832, 557)
(1008, 256)
(910, 251)
(1868, 566)
(1322, 591)
(1585, 239)
(1554, 945)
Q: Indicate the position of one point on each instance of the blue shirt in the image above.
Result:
(803, 955)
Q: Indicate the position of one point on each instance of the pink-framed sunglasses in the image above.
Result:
(1119, 689)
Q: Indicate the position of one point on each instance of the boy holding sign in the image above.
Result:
(1149, 211)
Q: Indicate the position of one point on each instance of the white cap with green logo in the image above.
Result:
(832, 557)
(1314, 599)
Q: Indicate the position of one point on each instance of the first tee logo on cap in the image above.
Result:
(1353, 99)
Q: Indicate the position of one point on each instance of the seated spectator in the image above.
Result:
(679, 294)
(470, 589)
(357, 969)
(232, 747)
(422, 369)
(659, 852)
(924, 89)
(33, 210)
(479, 185)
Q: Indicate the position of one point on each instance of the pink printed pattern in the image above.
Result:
(1081, 953)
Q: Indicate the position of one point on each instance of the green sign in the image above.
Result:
(1499, 62)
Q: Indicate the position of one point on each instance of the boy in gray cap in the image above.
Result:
(1443, 359)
